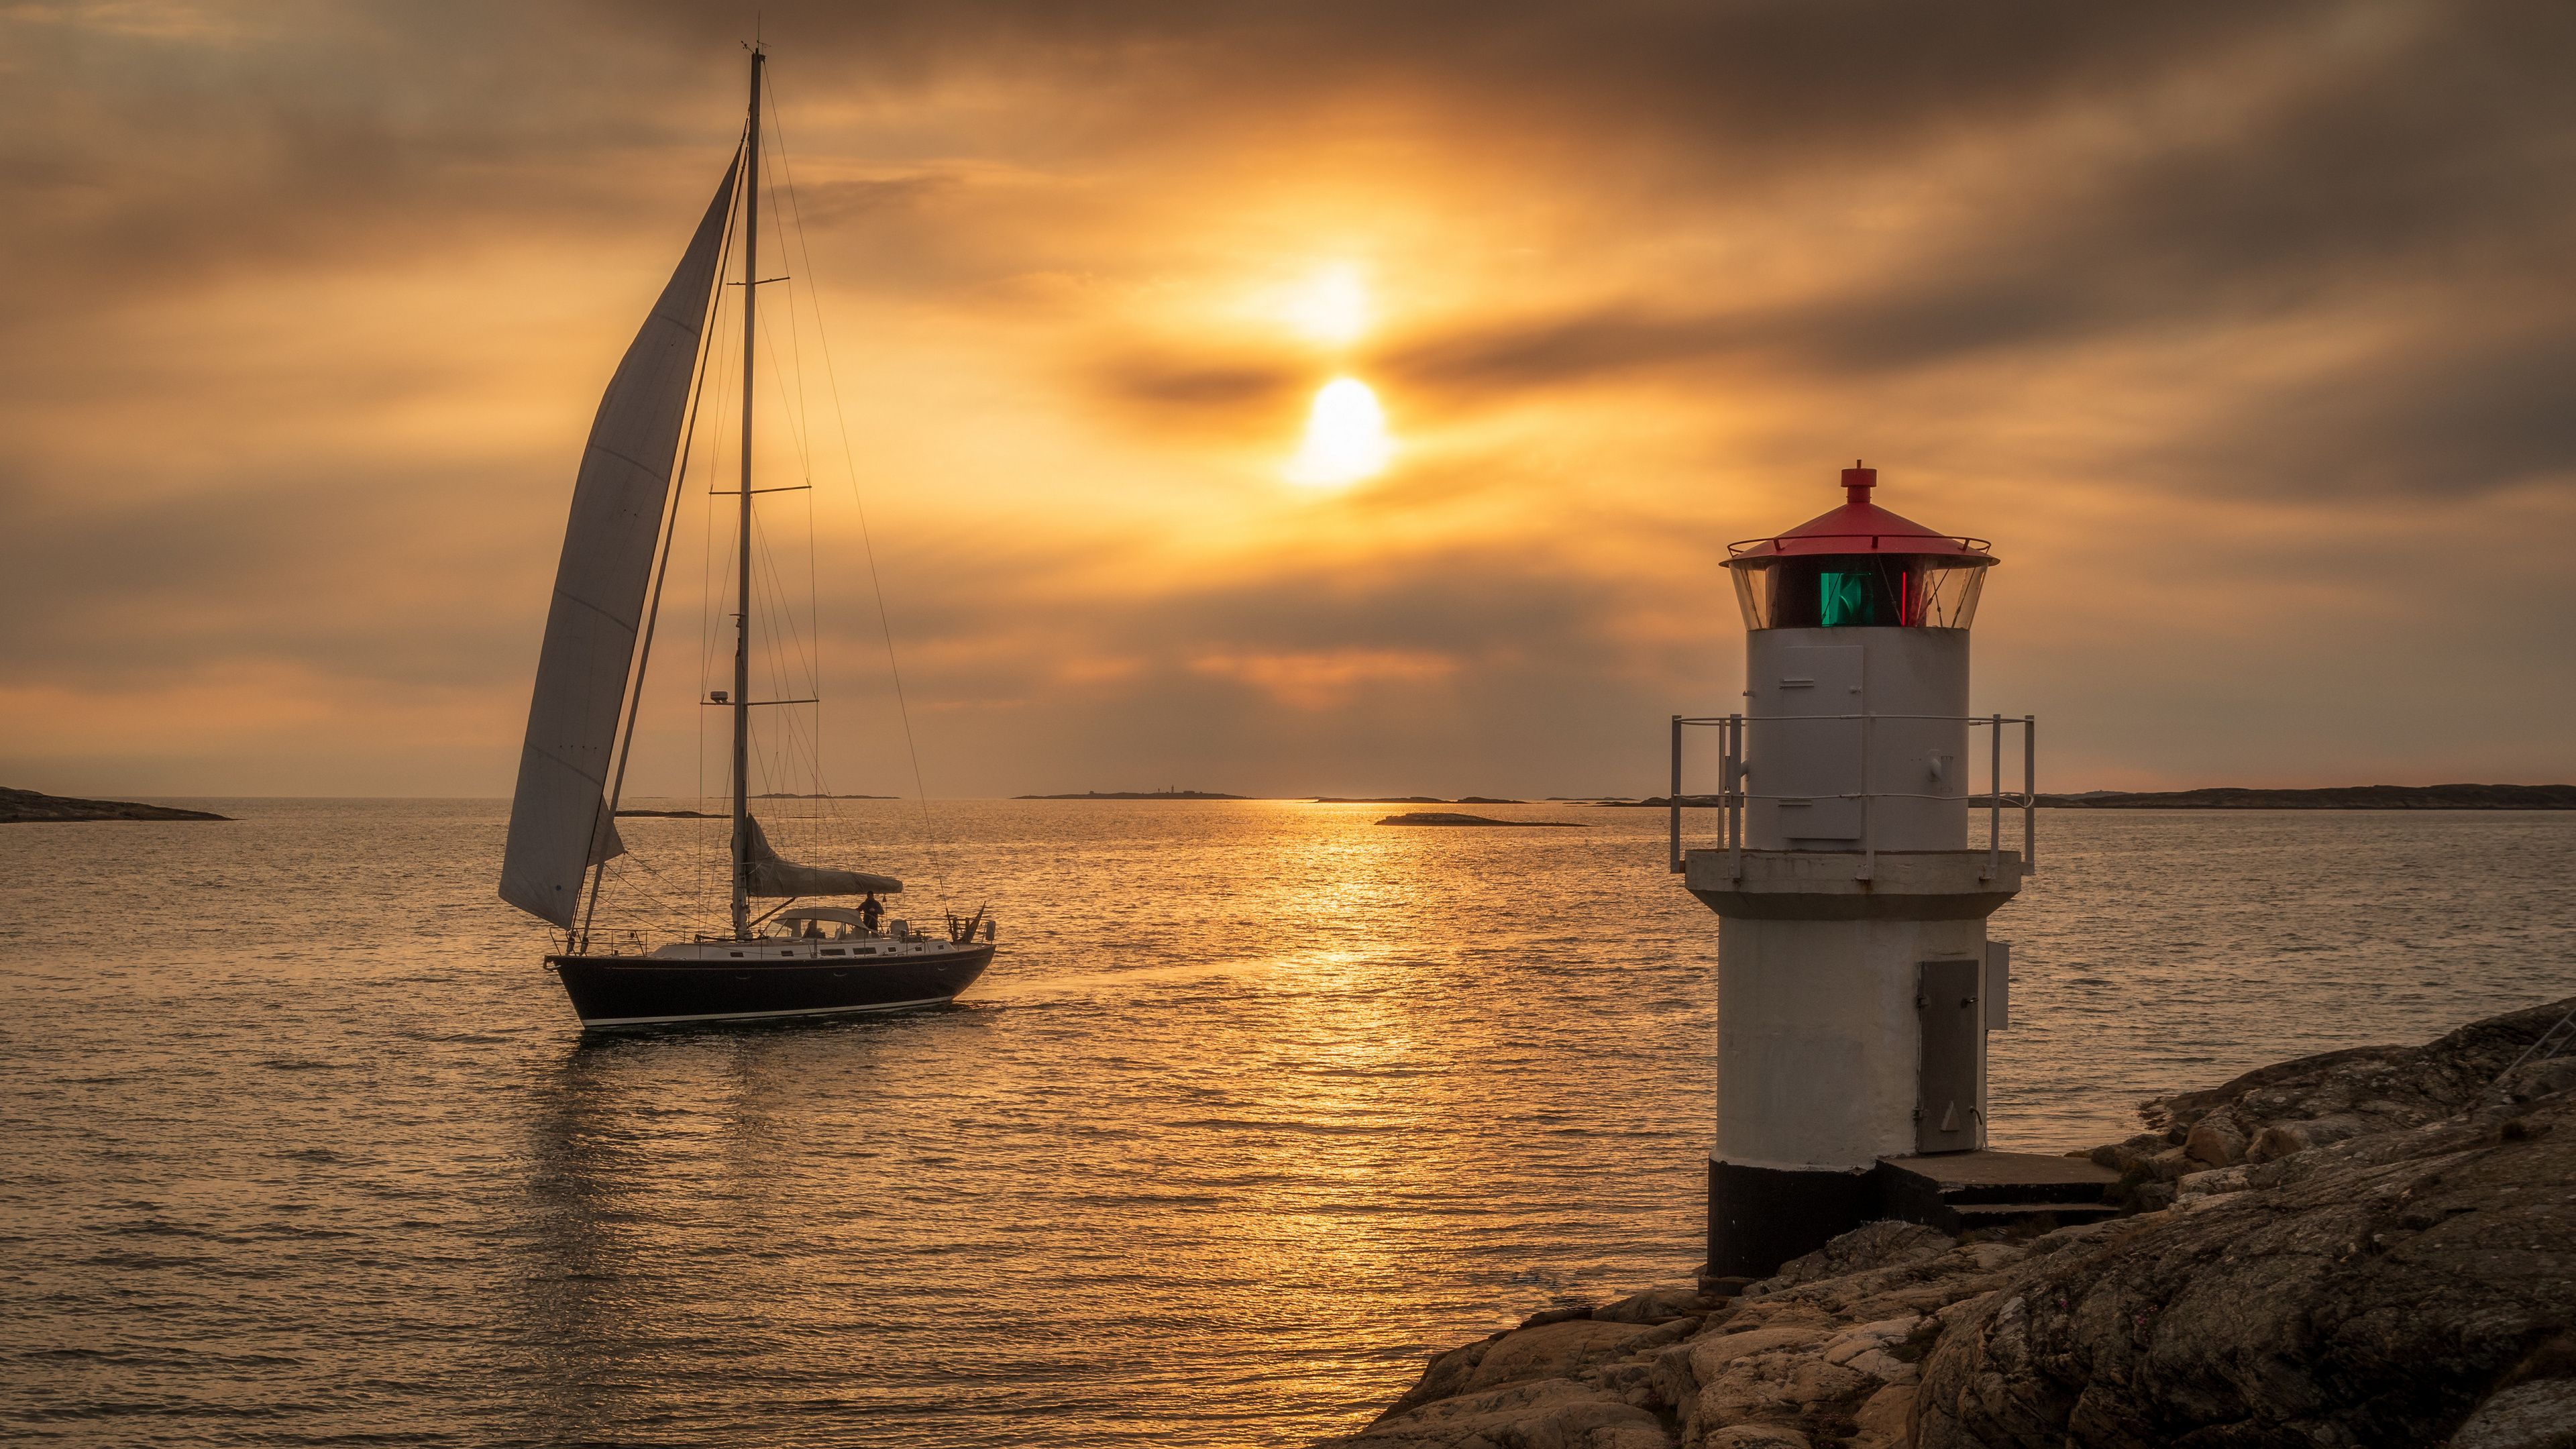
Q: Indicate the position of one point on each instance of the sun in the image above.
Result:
(1346, 436)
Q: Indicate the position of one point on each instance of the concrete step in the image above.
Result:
(1991, 1214)
(1953, 1191)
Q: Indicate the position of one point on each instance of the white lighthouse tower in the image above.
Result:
(1855, 981)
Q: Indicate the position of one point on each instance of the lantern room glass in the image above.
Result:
(1859, 590)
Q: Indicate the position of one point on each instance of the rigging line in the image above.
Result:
(778, 618)
(790, 746)
(670, 530)
(804, 415)
(867, 540)
(788, 403)
(791, 404)
(800, 748)
(814, 611)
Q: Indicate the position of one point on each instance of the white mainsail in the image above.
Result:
(559, 815)
(766, 873)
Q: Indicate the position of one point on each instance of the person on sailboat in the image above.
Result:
(869, 910)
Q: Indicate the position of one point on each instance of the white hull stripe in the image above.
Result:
(751, 1015)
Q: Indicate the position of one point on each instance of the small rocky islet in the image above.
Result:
(1443, 817)
(2369, 1247)
(31, 807)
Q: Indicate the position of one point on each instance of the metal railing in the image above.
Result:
(1732, 795)
(2557, 1039)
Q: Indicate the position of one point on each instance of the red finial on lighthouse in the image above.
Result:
(1857, 481)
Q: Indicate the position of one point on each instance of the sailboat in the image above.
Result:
(785, 961)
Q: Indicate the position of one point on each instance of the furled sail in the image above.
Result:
(617, 503)
(766, 874)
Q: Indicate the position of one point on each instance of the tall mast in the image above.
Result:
(742, 561)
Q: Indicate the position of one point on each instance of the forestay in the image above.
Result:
(559, 815)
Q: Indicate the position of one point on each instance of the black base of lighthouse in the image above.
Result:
(1760, 1217)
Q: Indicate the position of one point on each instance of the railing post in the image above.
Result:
(1673, 800)
(2029, 795)
(1995, 800)
(1734, 782)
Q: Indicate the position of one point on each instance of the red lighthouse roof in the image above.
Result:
(1860, 526)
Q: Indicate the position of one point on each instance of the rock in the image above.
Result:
(2537, 1079)
(2069, 1237)
(1882, 1420)
(1438, 817)
(1951, 1316)
(2388, 1275)
(1748, 1390)
(1631, 1381)
(2367, 1298)
(1547, 1316)
(2215, 1181)
(1990, 1257)
(1757, 1436)
(2334, 1095)
(1558, 1351)
(2125, 1156)
(1444, 1376)
(1661, 1303)
(1547, 1414)
(1866, 1349)
(2171, 1164)
(2286, 1139)
(2215, 1142)
(1871, 1245)
(1710, 1357)
(2526, 1416)
(1673, 1379)
(1814, 1383)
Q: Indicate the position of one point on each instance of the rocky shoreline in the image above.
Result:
(2362, 1248)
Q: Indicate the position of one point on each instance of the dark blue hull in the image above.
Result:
(609, 992)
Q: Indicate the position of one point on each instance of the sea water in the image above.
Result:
(1260, 1103)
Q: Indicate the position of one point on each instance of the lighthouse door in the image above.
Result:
(1945, 1003)
(1812, 761)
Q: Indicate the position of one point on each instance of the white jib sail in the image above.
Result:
(559, 814)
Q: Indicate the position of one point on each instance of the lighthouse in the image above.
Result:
(1856, 985)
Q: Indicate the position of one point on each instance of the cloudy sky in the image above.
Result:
(2245, 332)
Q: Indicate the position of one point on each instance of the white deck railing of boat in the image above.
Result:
(1732, 794)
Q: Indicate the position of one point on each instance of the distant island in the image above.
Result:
(1434, 817)
(674, 814)
(2341, 797)
(1413, 800)
(1137, 795)
(25, 807)
(783, 795)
